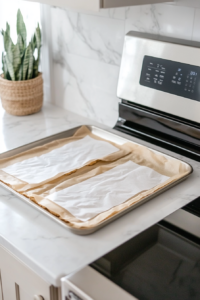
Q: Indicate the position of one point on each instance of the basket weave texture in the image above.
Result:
(22, 98)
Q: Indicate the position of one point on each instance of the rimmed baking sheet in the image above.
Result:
(181, 171)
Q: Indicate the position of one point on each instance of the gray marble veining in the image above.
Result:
(87, 49)
(46, 247)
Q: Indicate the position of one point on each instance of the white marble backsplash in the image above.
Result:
(87, 49)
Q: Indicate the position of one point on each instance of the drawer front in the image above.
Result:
(88, 284)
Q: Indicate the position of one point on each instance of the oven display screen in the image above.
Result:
(171, 77)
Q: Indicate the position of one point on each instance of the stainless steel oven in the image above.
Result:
(159, 88)
(159, 92)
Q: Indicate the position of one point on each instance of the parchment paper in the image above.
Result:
(93, 196)
(38, 166)
(143, 156)
(65, 159)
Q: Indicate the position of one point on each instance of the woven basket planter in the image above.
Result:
(22, 98)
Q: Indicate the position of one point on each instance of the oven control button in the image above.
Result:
(173, 81)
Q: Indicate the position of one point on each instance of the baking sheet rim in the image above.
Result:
(103, 223)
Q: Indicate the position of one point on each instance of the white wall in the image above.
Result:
(87, 51)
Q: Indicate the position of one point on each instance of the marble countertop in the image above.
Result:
(45, 246)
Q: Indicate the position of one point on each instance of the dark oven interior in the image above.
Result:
(157, 264)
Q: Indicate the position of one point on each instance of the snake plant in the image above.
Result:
(21, 62)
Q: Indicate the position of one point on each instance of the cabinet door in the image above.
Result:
(95, 5)
(18, 281)
(1, 290)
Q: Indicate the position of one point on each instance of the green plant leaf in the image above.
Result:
(7, 28)
(4, 66)
(10, 51)
(16, 59)
(5, 69)
(10, 69)
(21, 27)
(33, 42)
(20, 44)
(35, 68)
(26, 62)
(6, 36)
(38, 41)
(30, 65)
(38, 36)
(6, 39)
(20, 74)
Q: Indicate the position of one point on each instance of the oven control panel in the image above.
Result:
(172, 77)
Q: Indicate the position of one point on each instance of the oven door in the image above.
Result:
(89, 284)
(162, 262)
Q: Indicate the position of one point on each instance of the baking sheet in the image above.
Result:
(162, 163)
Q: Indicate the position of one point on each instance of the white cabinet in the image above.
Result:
(18, 282)
(1, 290)
(95, 5)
